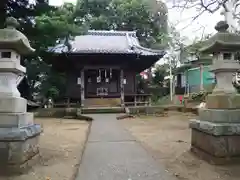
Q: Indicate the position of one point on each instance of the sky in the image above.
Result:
(182, 21)
(60, 2)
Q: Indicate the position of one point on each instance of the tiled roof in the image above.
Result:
(121, 42)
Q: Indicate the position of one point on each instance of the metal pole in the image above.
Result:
(171, 82)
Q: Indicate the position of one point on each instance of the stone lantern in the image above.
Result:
(18, 133)
(216, 135)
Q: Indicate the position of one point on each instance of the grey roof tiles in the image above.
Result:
(119, 42)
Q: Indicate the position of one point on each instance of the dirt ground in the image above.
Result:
(61, 145)
(168, 139)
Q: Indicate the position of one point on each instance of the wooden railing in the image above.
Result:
(138, 100)
(67, 103)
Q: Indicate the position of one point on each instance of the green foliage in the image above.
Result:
(236, 86)
(193, 50)
(159, 73)
(142, 84)
(125, 15)
(57, 24)
(61, 113)
(199, 97)
(54, 85)
(161, 100)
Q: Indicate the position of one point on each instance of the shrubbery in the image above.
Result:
(200, 96)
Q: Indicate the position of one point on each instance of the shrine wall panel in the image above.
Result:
(73, 89)
(129, 87)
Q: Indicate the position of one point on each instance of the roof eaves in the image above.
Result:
(147, 51)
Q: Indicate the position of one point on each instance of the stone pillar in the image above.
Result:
(122, 87)
(18, 134)
(82, 88)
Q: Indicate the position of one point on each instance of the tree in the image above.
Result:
(44, 25)
(55, 25)
(125, 15)
(23, 10)
(50, 27)
(230, 8)
(160, 72)
(175, 44)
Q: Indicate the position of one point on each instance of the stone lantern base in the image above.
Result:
(18, 142)
(216, 135)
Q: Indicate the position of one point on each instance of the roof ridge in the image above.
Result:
(111, 33)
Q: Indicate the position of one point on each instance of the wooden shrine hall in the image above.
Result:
(101, 67)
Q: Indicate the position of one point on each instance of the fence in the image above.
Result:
(197, 88)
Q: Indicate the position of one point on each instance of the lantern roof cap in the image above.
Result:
(223, 40)
(11, 38)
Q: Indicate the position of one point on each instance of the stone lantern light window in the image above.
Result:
(6, 54)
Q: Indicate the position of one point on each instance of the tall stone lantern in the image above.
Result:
(18, 133)
(216, 135)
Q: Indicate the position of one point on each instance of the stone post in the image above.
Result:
(18, 133)
(216, 135)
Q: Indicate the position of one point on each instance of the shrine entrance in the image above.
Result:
(102, 82)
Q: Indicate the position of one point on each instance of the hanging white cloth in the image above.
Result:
(99, 76)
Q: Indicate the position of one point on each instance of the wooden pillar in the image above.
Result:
(122, 87)
(149, 101)
(82, 88)
(68, 102)
(135, 100)
(201, 77)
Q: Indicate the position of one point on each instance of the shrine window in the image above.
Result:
(6, 54)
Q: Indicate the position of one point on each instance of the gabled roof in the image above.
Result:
(107, 42)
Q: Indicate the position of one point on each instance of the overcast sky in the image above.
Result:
(182, 20)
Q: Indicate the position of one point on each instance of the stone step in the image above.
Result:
(98, 110)
(102, 102)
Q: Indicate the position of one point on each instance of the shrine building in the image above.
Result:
(101, 67)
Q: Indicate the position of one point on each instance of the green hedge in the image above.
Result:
(72, 113)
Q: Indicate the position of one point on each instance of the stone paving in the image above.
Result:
(113, 154)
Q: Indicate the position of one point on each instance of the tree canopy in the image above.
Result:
(126, 15)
